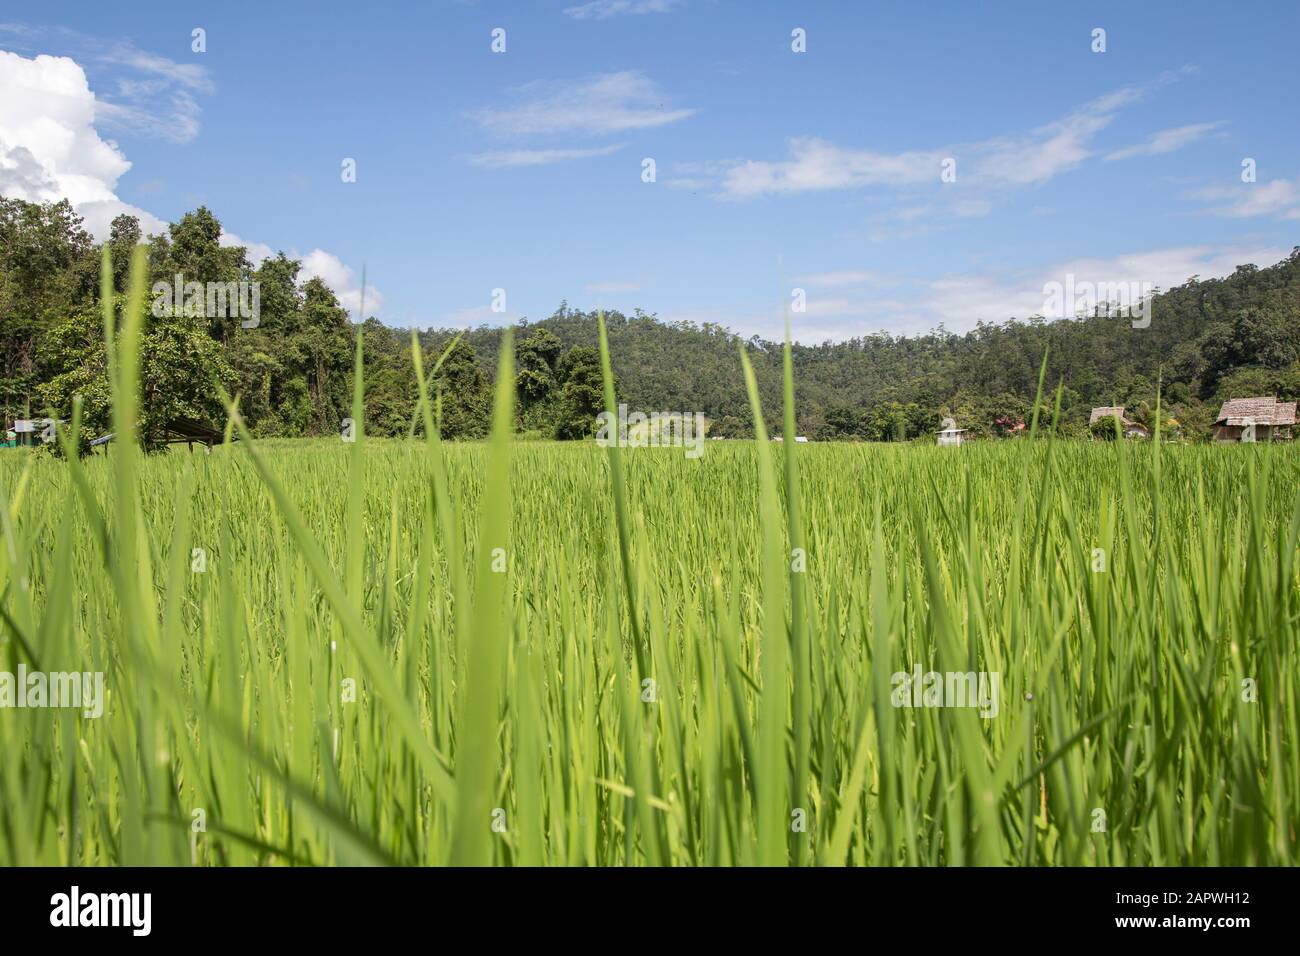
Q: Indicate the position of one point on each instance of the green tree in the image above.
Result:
(182, 372)
(47, 271)
(582, 394)
(462, 393)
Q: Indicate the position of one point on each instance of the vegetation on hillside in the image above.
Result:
(1210, 339)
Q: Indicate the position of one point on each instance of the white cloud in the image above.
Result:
(1050, 150)
(1277, 197)
(1025, 159)
(817, 164)
(597, 288)
(137, 92)
(50, 150)
(343, 281)
(699, 175)
(49, 147)
(1165, 141)
(190, 75)
(604, 103)
(255, 251)
(604, 9)
(538, 157)
(159, 99)
(959, 301)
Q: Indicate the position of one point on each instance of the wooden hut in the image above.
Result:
(1130, 428)
(1255, 419)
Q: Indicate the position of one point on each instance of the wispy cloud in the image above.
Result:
(190, 75)
(604, 9)
(136, 91)
(1277, 197)
(961, 300)
(594, 105)
(1018, 160)
(699, 175)
(816, 164)
(1166, 141)
(504, 159)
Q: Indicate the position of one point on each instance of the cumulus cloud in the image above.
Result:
(604, 103)
(50, 150)
(49, 147)
(343, 280)
(256, 252)
(137, 92)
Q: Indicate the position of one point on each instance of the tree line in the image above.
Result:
(292, 369)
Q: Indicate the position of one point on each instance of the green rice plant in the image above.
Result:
(416, 652)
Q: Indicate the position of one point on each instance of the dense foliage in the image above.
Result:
(1211, 339)
(1208, 340)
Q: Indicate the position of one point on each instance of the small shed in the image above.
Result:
(186, 430)
(1255, 419)
(1130, 428)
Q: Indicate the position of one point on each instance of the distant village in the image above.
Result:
(1255, 419)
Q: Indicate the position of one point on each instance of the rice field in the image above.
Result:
(422, 653)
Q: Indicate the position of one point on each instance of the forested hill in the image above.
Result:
(291, 365)
(1239, 335)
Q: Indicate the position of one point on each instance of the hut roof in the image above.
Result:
(178, 430)
(1107, 411)
(187, 429)
(1260, 411)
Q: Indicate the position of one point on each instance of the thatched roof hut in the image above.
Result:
(1262, 418)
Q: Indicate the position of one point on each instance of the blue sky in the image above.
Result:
(775, 170)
